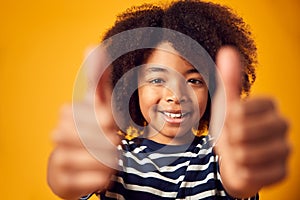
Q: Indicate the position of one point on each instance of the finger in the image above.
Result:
(103, 108)
(257, 156)
(228, 88)
(78, 159)
(97, 62)
(93, 117)
(97, 70)
(65, 133)
(104, 88)
(259, 105)
(92, 135)
(64, 137)
(259, 129)
(269, 175)
(77, 185)
(100, 91)
(90, 181)
(229, 64)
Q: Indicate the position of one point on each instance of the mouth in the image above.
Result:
(175, 117)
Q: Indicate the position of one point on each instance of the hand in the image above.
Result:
(75, 168)
(253, 147)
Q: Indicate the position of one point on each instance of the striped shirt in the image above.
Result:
(149, 170)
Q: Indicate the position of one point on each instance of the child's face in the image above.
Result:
(172, 96)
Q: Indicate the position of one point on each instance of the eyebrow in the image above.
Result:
(193, 70)
(160, 69)
(155, 69)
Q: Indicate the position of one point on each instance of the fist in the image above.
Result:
(85, 139)
(72, 171)
(253, 147)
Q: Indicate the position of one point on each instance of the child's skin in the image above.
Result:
(253, 145)
(170, 85)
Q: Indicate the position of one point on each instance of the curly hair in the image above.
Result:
(209, 24)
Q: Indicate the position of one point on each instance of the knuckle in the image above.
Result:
(238, 128)
(278, 124)
(240, 133)
(247, 175)
(59, 180)
(65, 110)
(242, 156)
(64, 184)
(285, 125)
(242, 110)
(271, 104)
(55, 136)
(287, 149)
(60, 159)
(282, 173)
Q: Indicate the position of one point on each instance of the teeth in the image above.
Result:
(174, 115)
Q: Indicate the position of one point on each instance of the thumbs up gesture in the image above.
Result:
(76, 166)
(253, 147)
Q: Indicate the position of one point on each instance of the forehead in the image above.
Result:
(166, 56)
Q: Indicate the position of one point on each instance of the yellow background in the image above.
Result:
(42, 44)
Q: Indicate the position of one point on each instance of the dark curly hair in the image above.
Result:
(209, 24)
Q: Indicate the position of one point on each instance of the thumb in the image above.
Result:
(97, 71)
(103, 107)
(228, 88)
(93, 114)
(229, 65)
(97, 76)
(100, 90)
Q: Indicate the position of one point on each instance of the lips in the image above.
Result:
(175, 117)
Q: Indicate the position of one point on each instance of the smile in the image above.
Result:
(175, 115)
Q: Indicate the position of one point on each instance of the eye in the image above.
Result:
(157, 81)
(196, 82)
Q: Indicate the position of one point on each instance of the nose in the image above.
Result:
(174, 99)
(177, 92)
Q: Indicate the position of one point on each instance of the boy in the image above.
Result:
(251, 151)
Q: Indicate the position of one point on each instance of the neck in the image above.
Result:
(162, 139)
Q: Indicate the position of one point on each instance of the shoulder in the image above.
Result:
(132, 145)
(200, 145)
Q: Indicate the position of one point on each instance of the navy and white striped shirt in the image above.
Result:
(149, 170)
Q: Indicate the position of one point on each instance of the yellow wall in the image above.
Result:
(42, 44)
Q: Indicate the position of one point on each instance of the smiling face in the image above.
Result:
(172, 96)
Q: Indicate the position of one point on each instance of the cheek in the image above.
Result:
(202, 101)
(147, 100)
